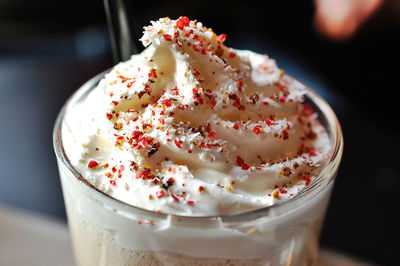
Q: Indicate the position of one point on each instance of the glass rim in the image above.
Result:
(329, 170)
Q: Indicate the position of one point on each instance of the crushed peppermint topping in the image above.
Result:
(92, 164)
(210, 107)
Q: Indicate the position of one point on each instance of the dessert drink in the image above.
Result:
(193, 153)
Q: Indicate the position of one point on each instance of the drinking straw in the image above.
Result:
(120, 26)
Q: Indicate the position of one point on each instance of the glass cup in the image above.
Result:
(106, 231)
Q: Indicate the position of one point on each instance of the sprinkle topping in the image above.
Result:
(190, 124)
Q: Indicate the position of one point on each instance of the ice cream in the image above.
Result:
(192, 127)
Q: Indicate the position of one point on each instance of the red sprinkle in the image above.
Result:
(144, 175)
(245, 166)
(189, 33)
(182, 22)
(112, 182)
(92, 164)
(190, 202)
(236, 102)
(123, 79)
(160, 193)
(167, 37)
(196, 72)
(257, 130)
(152, 73)
(130, 84)
(121, 168)
(136, 134)
(268, 122)
(178, 144)
(118, 137)
(201, 188)
(221, 38)
(285, 134)
(174, 197)
(240, 84)
(239, 161)
(307, 179)
(208, 128)
(167, 102)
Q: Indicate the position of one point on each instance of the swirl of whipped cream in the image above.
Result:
(192, 127)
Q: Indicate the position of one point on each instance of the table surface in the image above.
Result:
(27, 238)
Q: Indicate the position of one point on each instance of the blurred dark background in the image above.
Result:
(49, 48)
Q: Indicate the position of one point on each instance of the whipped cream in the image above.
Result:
(192, 127)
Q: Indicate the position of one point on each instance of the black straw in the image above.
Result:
(120, 26)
